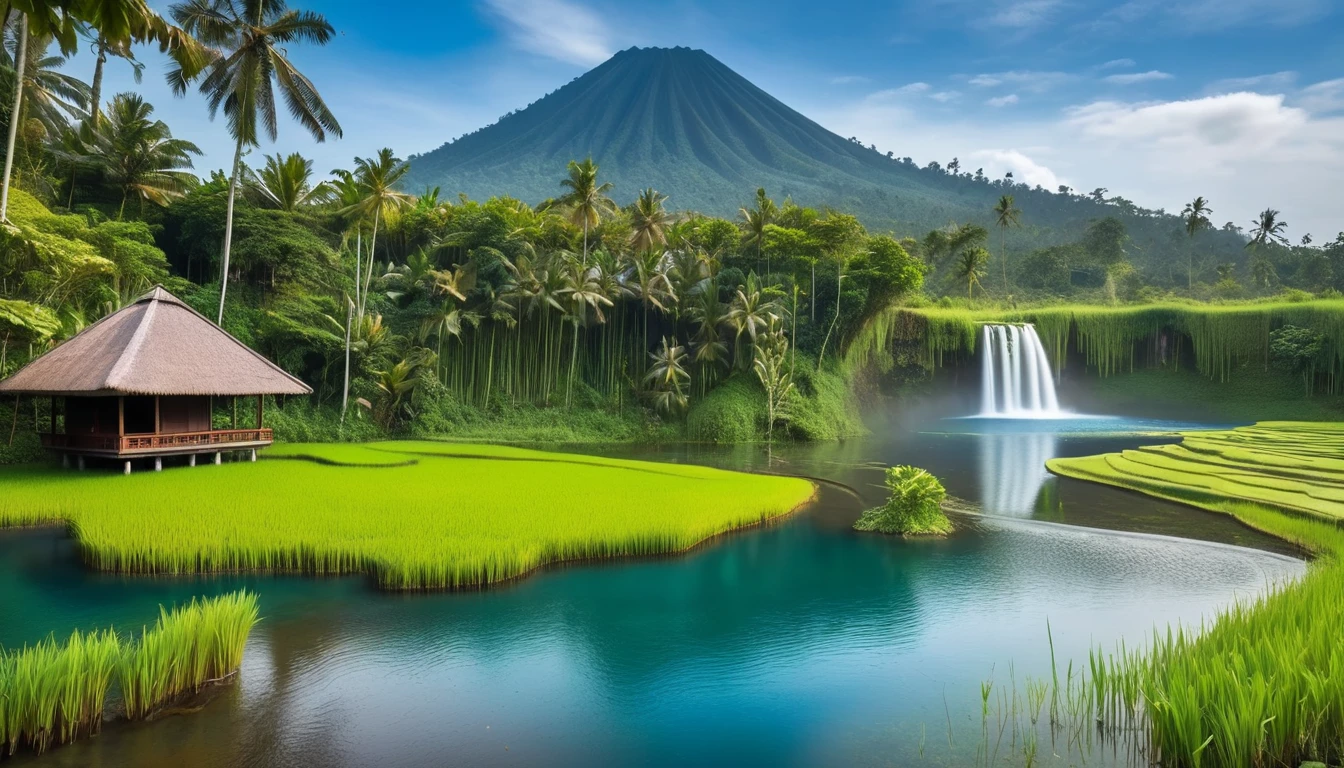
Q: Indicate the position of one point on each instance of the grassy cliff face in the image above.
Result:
(1218, 353)
(684, 123)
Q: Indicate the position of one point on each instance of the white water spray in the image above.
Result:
(1023, 387)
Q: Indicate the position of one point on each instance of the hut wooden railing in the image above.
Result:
(131, 443)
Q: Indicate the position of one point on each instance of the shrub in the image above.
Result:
(914, 507)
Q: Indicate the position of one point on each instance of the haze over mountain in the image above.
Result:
(680, 121)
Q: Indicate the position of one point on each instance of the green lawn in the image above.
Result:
(457, 516)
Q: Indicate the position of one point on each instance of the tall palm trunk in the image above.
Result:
(96, 89)
(20, 62)
(228, 228)
(1003, 255)
(573, 360)
(373, 244)
(345, 390)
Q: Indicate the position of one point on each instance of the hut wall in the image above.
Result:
(184, 414)
(91, 415)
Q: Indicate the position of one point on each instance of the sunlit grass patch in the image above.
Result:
(443, 521)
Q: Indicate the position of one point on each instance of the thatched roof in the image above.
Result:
(155, 346)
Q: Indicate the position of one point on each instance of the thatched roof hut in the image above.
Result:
(142, 381)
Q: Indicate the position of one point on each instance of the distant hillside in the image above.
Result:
(680, 121)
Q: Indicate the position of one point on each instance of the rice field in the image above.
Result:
(1264, 684)
(53, 693)
(414, 515)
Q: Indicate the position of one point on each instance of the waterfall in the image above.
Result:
(1015, 377)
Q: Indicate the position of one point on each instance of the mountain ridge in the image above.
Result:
(682, 122)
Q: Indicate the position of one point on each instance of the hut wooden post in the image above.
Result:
(158, 420)
(121, 417)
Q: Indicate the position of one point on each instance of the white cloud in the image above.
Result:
(942, 97)
(1322, 97)
(849, 80)
(1002, 101)
(1132, 78)
(1195, 17)
(1245, 151)
(1028, 80)
(1025, 170)
(890, 94)
(1117, 64)
(1275, 82)
(554, 28)
(1023, 14)
(1249, 121)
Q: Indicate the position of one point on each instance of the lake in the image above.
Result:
(799, 643)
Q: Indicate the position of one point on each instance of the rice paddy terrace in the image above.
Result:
(414, 515)
(1264, 684)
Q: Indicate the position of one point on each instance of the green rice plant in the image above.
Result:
(54, 693)
(186, 649)
(1263, 685)
(456, 516)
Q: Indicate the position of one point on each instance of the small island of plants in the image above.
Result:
(914, 507)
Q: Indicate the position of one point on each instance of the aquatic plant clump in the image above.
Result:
(1264, 684)
(439, 516)
(914, 507)
(54, 693)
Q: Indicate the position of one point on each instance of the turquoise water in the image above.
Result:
(803, 643)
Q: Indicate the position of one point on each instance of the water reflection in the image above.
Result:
(1012, 470)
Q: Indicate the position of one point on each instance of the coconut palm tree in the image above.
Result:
(139, 154)
(582, 292)
(249, 42)
(376, 179)
(286, 183)
(1196, 216)
(71, 149)
(586, 202)
(1268, 228)
(652, 284)
(54, 98)
(971, 267)
(667, 377)
(649, 221)
(1006, 215)
(102, 48)
(750, 313)
(756, 219)
(707, 348)
(120, 22)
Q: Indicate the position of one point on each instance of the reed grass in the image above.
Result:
(458, 516)
(54, 693)
(1263, 685)
(1222, 336)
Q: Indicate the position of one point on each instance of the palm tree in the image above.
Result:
(120, 22)
(248, 42)
(1196, 216)
(1268, 228)
(649, 221)
(71, 149)
(1006, 215)
(750, 313)
(971, 267)
(707, 347)
(667, 377)
(102, 48)
(53, 98)
(755, 220)
(286, 182)
(586, 202)
(582, 291)
(140, 155)
(652, 284)
(376, 178)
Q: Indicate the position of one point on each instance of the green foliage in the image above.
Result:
(402, 524)
(914, 507)
(733, 412)
(1298, 351)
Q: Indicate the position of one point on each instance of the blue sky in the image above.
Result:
(1158, 100)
